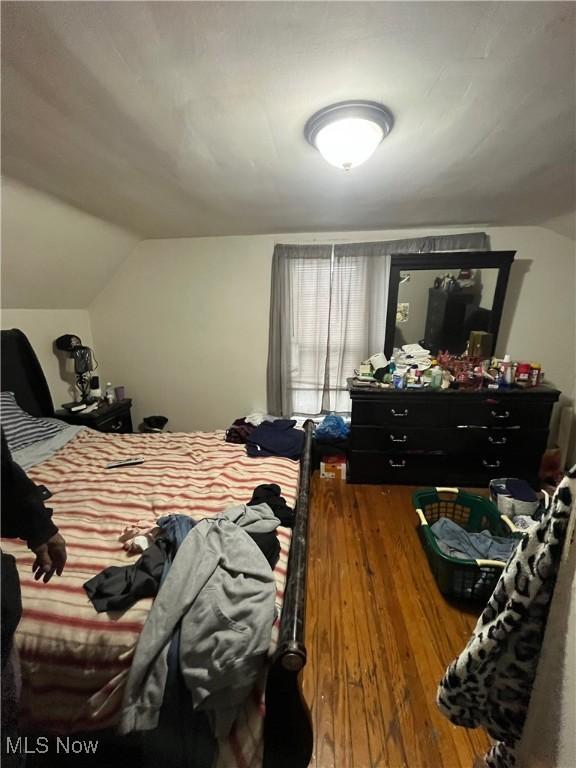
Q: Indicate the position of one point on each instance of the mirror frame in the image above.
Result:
(448, 261)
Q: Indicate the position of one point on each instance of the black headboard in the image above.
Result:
(23, 374)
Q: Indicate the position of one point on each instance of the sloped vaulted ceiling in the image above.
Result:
(186, 118)
(53, 255)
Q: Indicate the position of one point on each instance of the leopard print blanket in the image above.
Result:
(490, 682)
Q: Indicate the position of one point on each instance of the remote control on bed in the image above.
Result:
(130, 461)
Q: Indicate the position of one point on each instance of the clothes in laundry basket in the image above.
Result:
(455, 541)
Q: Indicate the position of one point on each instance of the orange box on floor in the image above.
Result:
(334, 467)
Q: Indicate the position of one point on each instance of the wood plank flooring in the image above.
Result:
(379, 636)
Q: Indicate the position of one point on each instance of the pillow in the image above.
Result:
(22, 429)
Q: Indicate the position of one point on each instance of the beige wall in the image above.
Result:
(42, 327)
(184, 323)
(184, 326)
(539, 319)
(54, 255)
(563, 225)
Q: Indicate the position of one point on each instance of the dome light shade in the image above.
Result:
(348, 133)
(348, 142)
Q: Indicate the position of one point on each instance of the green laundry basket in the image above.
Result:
(463, 579)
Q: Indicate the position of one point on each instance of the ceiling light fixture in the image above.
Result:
(347, 134)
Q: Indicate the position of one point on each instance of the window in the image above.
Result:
(335, 311)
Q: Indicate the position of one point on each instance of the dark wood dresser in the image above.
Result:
(448, 437)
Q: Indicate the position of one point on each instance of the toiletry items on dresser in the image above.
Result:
(448, 437)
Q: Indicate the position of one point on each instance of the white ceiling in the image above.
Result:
(184, 118)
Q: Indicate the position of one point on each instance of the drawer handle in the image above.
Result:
(505, 415)
(399, 465)
(491, 465)
(399, 413)
(402, 439)
(496, 441)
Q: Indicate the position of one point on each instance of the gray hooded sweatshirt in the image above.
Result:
(223, 589)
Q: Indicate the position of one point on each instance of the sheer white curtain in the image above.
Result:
(358, 299)
(310, 281)
(336, 300)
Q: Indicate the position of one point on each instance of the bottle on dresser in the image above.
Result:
(506, 372)
(109, 394)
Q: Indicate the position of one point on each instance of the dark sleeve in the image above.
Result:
(23, 514)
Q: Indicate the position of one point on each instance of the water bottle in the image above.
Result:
(109, 395)
(506, 372)
(436, 378)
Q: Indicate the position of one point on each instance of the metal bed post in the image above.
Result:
(288, 737)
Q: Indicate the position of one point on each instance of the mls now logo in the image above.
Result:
(24, 745)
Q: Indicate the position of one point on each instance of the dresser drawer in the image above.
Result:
(512, 440)
(401, 413)
(402, 439)
(381, 468)
(480, 468)
(120, 423)
(500, 412)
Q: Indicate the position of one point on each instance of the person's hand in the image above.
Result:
(50, 558)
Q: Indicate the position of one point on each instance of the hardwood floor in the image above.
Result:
(379, 636)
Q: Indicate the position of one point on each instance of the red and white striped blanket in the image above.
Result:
(75, 661)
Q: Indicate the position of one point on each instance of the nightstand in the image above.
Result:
(106, 418)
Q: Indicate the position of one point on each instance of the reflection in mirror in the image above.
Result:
(439, 309)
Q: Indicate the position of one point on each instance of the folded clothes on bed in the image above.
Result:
(455, 541)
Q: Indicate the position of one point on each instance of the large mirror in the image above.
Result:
(438, 299)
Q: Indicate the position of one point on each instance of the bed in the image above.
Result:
(75, 661)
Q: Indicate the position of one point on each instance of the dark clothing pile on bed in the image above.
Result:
(276, 438)
(270, 494)
(271, 437)
(239, 431)
(117, 588)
